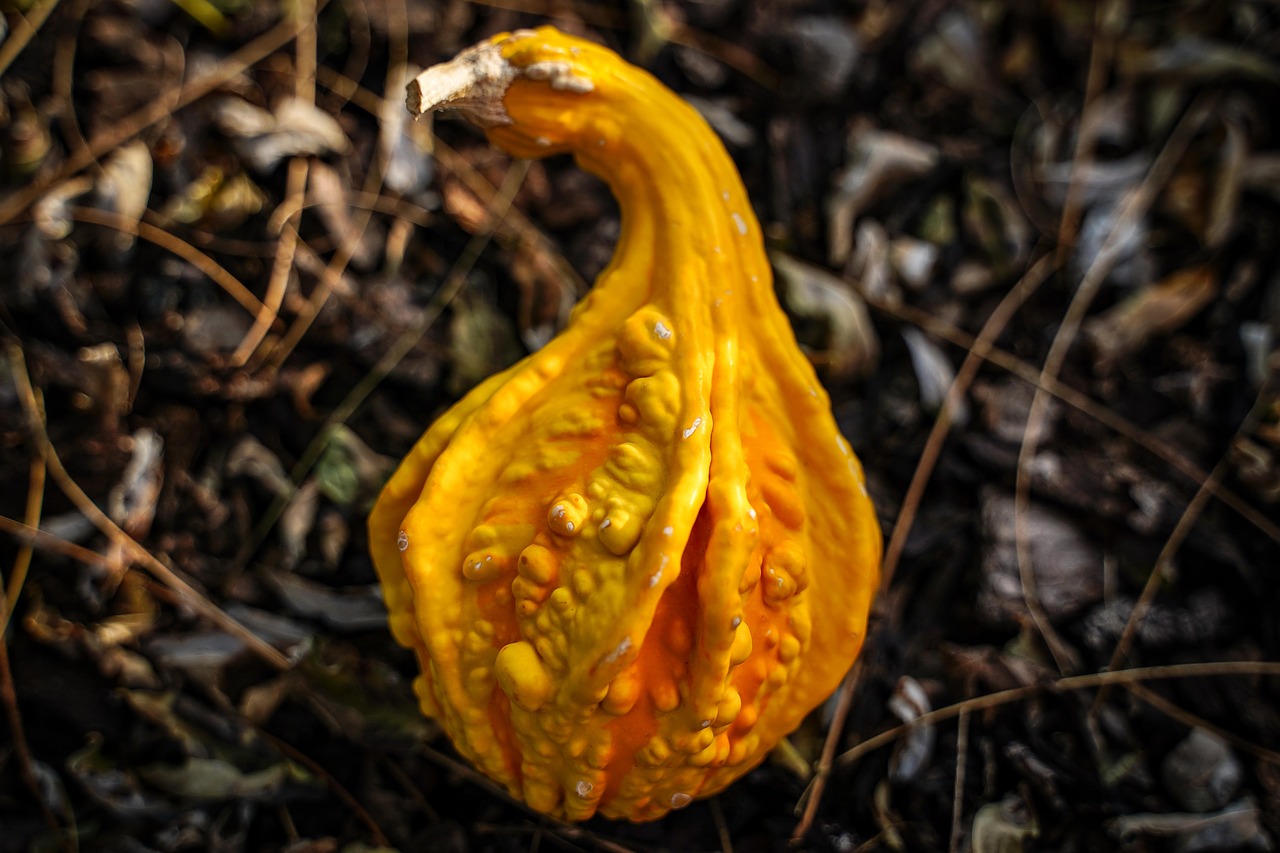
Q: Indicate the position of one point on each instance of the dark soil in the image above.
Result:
(1079, 202)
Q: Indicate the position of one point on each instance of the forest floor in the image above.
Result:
(1031, 247)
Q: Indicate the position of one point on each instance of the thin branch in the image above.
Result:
(1133, 209)
(1169, 709)
(813, 796)
(1063, 685)
(156, 111)
(8, 598)
(63, 78)
(1180, 531)
(331, 782)
(304, 89)
(1100, 54)
(191, 596)
(286, 248)
(22, 561)
(1085, 404)
(46, 541)
(24, 30)
(957, 791)
(981, 349)
(176, 245)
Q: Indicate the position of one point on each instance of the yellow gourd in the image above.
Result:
(632, 562)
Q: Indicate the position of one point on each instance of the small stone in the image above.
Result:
(1201, 772)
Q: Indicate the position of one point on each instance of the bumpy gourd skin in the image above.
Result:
(632, 562)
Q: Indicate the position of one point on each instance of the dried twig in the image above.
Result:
(983, 345)
(1193, 721)
(1084, 403)
(160, 109)
(64, 58)
(817, 787)
(1061, 685)
(1133, 209)
(46, 541)
(191, 596)
(1185, 522)
(286, 246)
(957, 791)
(162, 238)
(24, 30)
(22, 560)
(982, 348)
(295, 186)
(339, 790)
(8, 599)
(1100, 54)
(722, 826)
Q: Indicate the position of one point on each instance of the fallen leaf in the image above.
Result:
(914, 750)
(132, 503)
(123, 189)
(215, 779)
(878, 162)
(250, 458)
(293, 128)
(1193, 58)
(934, 374)
(352, 610)
(1003, 827)
(1151, 312)
(1236, 827)
(842, 335)
(1201, 772)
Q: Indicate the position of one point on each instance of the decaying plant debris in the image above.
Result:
(1032, 249)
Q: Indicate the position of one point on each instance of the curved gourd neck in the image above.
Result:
(684, 208)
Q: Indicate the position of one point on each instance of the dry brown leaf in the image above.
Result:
(878, 162)
(844, 339)
(1153, 311)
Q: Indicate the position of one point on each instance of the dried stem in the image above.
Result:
(286, 248)
(189, 253)
(158, 110)
(1088, 406)
(22, 560)
(957, 791)
(1134, 208)
(813, 798)
(1101, 51)
(25, 28)
(1063, 685)
(192, 597)
(1185, 522)
(981, 349)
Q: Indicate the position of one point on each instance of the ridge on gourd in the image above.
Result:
(633, 561)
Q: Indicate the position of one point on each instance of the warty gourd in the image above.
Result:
(633, 561)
